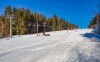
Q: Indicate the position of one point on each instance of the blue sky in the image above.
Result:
(79, 12)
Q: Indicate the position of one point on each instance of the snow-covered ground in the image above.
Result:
(62, 46)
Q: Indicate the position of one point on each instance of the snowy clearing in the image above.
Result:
(74, 46)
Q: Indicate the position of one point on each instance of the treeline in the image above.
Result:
(93, 22)
(25, 22)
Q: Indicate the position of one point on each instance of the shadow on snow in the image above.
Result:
(91, 35)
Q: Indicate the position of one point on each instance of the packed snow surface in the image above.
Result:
(78, 45)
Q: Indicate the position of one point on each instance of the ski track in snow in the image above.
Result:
(74, 46)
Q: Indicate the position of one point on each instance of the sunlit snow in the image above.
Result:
(78, 45)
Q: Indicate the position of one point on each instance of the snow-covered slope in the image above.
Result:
(62, 46)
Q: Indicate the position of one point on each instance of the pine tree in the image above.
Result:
(25, 22)
(7, 10)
